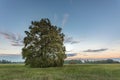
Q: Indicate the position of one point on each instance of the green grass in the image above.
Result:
(68, 72)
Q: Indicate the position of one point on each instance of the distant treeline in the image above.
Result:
(8, 62)
(69, 61)
(5, 61)
(73, 62)
(90, 61)
(102, 61)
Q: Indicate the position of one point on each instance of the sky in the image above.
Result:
(92, 27)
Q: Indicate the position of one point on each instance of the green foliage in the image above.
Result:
(44, 45)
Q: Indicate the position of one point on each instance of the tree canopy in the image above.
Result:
(43, 45)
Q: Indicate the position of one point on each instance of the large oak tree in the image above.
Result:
(43, 45)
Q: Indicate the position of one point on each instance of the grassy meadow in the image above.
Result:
(68, 72)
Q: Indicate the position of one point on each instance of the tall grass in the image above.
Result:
(67, 72)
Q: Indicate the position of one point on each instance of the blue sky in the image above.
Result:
(92, 27)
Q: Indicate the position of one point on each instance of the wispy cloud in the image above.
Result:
(1, 54)
(55, 17)
(71, 55)
(65, 18)
(70, 40)
(2, 49)
(71, 1)
(15, 39)
(75, 42)
(96, 50)
(69, 51)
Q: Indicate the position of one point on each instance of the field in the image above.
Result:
(68, 72)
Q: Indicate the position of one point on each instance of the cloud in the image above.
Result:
(2, 54)
(71, 1)
(2, 49)
(55, 17)
(75, 42)
(15, 39)
(71, 55)
(96, 50)
(17, 44)
(69, 51)
(65, 18)
(70, 40)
